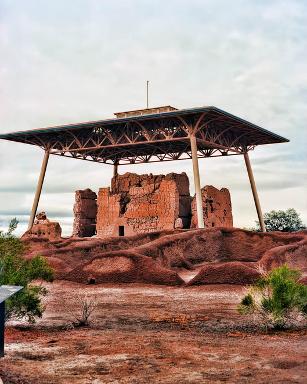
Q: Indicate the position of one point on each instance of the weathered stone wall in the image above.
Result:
(143, 203)
(216, 207)
(147, 203)
(85, 212)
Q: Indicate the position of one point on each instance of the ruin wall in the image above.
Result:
(85, 212)
(147, 203)
(143, 203)
(216, 208)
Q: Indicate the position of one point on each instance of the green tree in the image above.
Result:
(16, 270)
(284, 221)
(277, 298)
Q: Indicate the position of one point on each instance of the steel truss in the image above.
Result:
(164, 139)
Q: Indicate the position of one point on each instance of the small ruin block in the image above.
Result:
(85, 212)
(216, 208)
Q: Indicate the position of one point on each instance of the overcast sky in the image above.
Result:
(71, 61)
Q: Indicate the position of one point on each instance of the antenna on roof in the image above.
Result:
(147, 83)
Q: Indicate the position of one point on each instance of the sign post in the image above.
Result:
(6, 291)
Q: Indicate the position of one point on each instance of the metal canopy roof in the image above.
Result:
(154, 137)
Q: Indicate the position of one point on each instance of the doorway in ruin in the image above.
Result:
(121, 230)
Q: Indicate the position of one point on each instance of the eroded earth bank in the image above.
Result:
(166, 312)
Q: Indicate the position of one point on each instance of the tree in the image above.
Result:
(277, 299)
(16, 270)
(284, 221)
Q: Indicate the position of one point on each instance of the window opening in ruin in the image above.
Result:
(121, 230)
(124, 201)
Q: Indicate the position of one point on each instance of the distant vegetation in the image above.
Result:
(277, 299)
(15, 270)
(284, 221)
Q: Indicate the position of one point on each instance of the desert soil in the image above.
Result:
(150, 334)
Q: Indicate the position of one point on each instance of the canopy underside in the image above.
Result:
(149, 138)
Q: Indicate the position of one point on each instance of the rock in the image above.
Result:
(179, 223)
(43, 228)
(85, 212)
(216, 207)
(41, 218)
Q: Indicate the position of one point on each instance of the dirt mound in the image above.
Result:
(124, 267)
(156, 257)
(218, 244)
(294, 255)
(232, 272)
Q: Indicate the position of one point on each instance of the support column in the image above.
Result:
(199, 204)
(254, 190)
(115, 169)
(39, 188)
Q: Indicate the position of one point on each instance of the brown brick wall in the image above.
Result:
(147, 203)
(143, 203)
(216, 207)
(85, 212)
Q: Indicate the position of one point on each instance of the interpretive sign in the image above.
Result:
(6, 291)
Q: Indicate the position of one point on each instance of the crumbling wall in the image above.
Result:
(147, 203)
(143, 203)
(43, 228)
(85, 212)
(216, 207)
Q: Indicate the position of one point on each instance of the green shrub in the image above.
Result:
(15, 270)
(284, 221)
(277, 299)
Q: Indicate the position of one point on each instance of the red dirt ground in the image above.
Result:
(151, 334)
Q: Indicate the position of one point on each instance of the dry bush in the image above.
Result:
(83, 310)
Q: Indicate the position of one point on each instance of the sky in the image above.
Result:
(72, 61)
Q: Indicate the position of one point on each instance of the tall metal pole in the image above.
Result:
(199, 204)
(254, 190)
(115, 169)
(147, 98)
(39, 188)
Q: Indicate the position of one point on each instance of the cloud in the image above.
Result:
(65, 64)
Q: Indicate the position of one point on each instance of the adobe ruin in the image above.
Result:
(216, 207)
(85, 212)
(147, 203)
